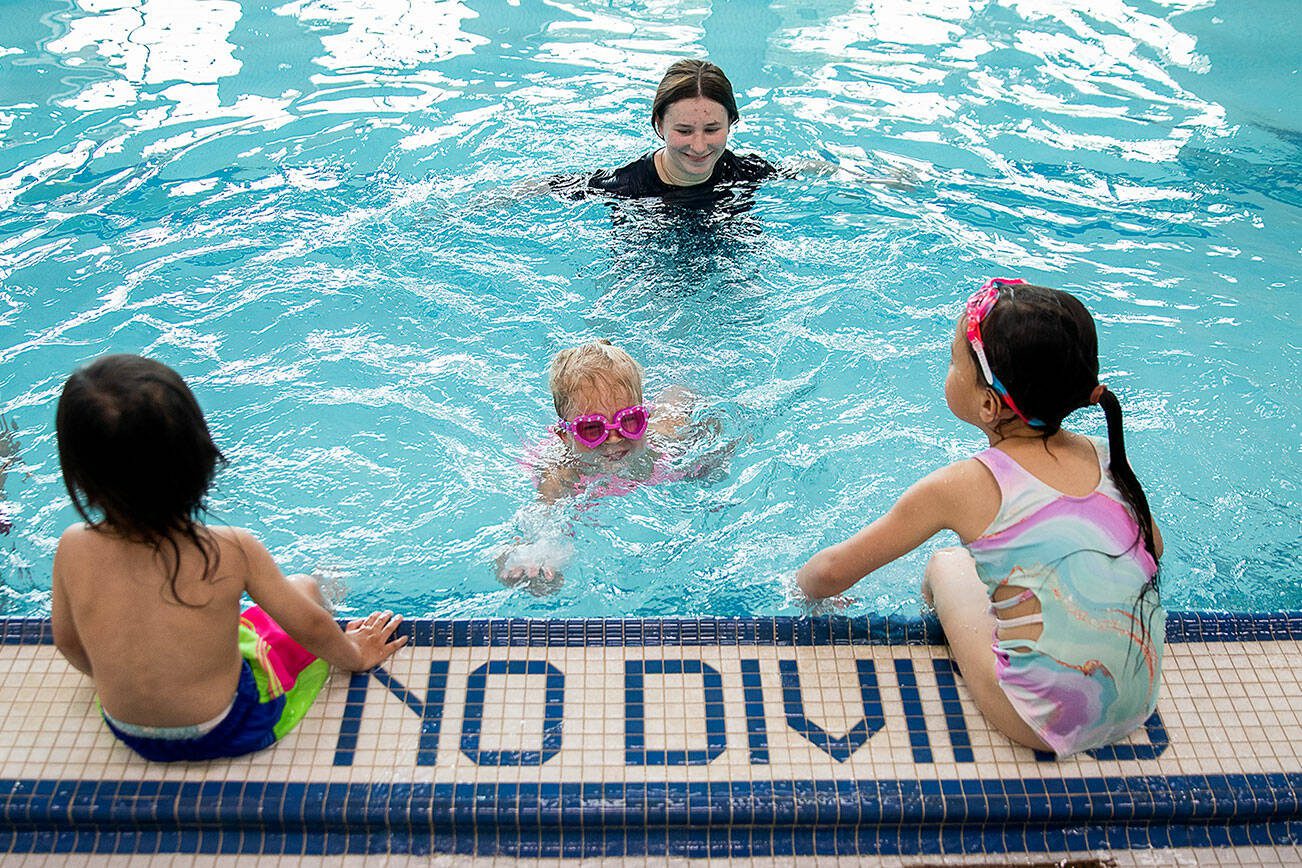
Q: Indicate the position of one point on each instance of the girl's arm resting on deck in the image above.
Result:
(65, 631)
(365, 643)
(918, 515)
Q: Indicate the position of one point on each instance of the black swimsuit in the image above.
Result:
(732, 175)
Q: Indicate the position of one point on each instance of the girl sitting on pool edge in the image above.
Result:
(1060, 567)
(146, 599)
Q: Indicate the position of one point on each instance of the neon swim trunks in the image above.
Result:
(278, 683)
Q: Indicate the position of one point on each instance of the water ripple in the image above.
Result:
(329, 242)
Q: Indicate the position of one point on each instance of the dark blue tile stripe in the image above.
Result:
(914, 716)
(952, 706)
(778, 631)
(714, 818)
(34, 803)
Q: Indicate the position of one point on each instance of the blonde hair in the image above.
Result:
(598, 363)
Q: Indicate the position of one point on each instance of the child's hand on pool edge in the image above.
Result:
(372, 638)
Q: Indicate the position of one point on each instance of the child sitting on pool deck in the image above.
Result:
(146, 600)
(1060, 567)
(606, 441)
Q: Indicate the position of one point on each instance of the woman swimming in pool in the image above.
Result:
(1060, 566)
(693, 112)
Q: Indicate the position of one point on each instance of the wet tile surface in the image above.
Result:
(768, 738)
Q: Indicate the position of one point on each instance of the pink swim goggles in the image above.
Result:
(978, 308)
(594, 429)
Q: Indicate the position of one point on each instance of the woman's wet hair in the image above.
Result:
(688, 79)
(1042, 345)
(134, 447)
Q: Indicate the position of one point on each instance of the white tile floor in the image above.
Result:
(1227, 708)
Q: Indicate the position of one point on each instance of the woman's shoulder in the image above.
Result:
(638, 178)
(744, 167)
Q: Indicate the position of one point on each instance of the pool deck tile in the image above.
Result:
(745, 740)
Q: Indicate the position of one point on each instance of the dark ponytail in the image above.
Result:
(1133, 493)
(1123, 475)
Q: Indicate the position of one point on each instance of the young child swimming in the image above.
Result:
(1059, 564)
(146, 599)
(603, 425)
(606, 441)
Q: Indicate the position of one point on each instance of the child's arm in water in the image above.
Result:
(536, 558)
(365, 643)
(948, 499)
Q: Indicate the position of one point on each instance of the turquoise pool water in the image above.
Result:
(299, 206)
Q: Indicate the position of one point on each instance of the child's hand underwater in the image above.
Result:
(521, 566)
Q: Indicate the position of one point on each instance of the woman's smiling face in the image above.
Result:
(695, 132)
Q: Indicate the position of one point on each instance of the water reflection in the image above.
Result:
(279, 198)
(156, 41)
(388, 35)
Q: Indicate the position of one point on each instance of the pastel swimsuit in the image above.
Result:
(1092, 676)
(278, 682)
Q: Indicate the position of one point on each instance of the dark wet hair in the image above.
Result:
(1042, 346)
(134, 446)
(688, 79)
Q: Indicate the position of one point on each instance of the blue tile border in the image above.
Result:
(780, 631)
(707, 818)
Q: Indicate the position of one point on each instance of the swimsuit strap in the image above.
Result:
(997, 606)
(1007, 472)
(1026, 594)
(1023, 621)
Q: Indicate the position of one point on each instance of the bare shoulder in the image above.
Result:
(672, 409)
(75, 534)
(675, 397)
(77, 545)
(240, 545)
(958, 481)
(83, 542)
(237, 537)
(967, 493)
(556, 481)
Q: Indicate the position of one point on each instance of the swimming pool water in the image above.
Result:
(300, 206)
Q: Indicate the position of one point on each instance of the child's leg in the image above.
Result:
(953, 587)
(309, 587)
